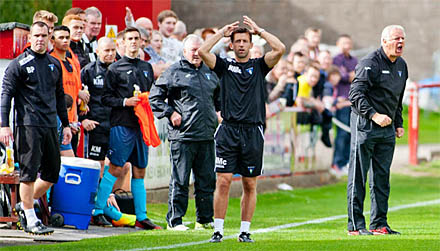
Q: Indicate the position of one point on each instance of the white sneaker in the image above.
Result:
(180, 227)
(344, 170)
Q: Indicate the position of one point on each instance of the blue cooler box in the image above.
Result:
(74, 195)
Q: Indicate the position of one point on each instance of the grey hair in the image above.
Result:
(93, 11)
(387, 30)
(180, 28)
(192, 38)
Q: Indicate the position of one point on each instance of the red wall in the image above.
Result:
(113, 11)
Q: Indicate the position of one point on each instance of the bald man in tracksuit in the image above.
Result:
(376, 95)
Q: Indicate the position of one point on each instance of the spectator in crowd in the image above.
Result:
(76, 11)
(120, 45)
(179, 32)
(291, 90)
(313, 36)
(243, 89)
(257, 51)
(376, 120)
(308, 100)
(274, 75)
(126, 141)
(301, 45)
(71, 80)
(330, 87)
(34, 74)
(155, 48)
(91, 31)
(191, 138)
(172, 48)
(145, 22)
(76, 27)
(207, 33)
(346, 64)
(142, 22)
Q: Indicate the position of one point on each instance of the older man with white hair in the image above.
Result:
(92, 28)
(188, 94)
(376, 95)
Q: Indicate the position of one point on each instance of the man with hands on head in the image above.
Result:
(240, 138)
(376, 120)
(34, 80)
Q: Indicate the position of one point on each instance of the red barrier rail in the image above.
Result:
(413, 119)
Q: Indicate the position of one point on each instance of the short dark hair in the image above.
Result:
(60, 28)
(333, 69)
(40, 24)
(298, 54)
(69, 101)
(130, 29)
(166, 13)
(241, 30)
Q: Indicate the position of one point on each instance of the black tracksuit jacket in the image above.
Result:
(35, 81)
(119, 85)
(192, 92)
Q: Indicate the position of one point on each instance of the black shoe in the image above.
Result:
(383, 230)
(245, 237)
(325, 138)
(216, 237)
(38, 229)
(100, 220)
(146, 225)
(362, 231)
(22, 223)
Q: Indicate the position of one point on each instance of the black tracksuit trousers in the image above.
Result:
(372, 149)
(198, 156)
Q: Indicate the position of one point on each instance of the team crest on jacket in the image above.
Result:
(52, 66)
(400, 73)
(208, 76)
(146, 74)
(250, 70)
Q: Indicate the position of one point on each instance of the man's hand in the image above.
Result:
(133, 101)
(381, 119)
(111, 201)
(254, 29)
(229, 28)
(67, 135)
(84, 96)
(5, 135)
(82, 113)
(399, 132)
(175, 119)
(89, 124)
(129, 19)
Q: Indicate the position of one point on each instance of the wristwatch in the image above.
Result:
(261, 31)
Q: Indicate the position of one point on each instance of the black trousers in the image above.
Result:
(200, 158)
(372, 149)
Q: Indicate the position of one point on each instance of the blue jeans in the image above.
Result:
(341, 155)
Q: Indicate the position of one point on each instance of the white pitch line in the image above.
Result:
(290, 225)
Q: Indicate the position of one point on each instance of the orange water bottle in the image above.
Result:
(83, 105)
(137, 91)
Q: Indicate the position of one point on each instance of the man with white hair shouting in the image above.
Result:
(376, 95)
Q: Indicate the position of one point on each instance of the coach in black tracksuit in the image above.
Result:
(97, 120)
(192, 90)
(34, 80)
(376, 119)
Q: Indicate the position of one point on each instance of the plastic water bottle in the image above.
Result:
(137, 91)
(83, 105)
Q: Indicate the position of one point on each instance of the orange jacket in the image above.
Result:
(71, 82)
(146, 121)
